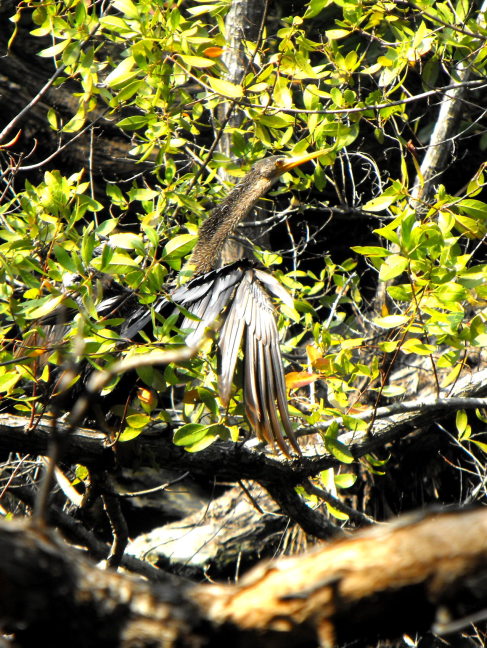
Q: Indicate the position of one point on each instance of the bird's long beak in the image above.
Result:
(289, 164)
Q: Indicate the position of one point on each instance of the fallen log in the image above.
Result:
(382, 582)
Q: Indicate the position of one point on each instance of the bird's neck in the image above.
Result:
(222, 221)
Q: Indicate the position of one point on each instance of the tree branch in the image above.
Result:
(382, 582)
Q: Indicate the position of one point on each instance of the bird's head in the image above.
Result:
(271, 168)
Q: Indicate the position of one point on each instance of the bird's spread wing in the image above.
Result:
(237, 296)
(264, 385)
(139, 318)
(207, 297)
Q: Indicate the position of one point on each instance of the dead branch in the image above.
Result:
(383, 582)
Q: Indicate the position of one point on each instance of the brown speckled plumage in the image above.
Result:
(224, 218)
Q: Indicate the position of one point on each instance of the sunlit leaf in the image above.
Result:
(196, 61)
(393, 266)
(182, 244)
(225, 88)
(296, 379)
(391, 321)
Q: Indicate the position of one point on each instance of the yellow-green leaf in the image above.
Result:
(122, 72)
(182, 243)
(138, 420)
(47, 306)
(338, 450)
(392, 267)
(196, 61)
(379, 204)
(226, 88)
(336, 34)
(345, 480)
(55, 49)
(413, 345)
(391, 321)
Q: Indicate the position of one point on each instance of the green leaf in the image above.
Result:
(121, 259)
(189, 434)
(463, 427)
(380, 203)
(138, 420)
(8, 381)
(202, 443)
(392, 267)
(413, 345)
(75, 124)
(197, 61)
(87, 247)
(128, 91)
(480, 444)
(315, 7)
(52, 119)
(336, 34)
(127, 7)
(401, 292)
(202, 9)
(339, 515)
(345, 480)
(371, 250)
(181, 244)
(122, 72)
(226, 88)
(127, 241)
(461, 421)
(391, 321)
(65, 259)
(142, 194)
(46, 306)
(473, 208)
(56, 49)
(338, 449)
(276, 121)
(134, 122)
(451, 292)
(129, 434)
(388, 346)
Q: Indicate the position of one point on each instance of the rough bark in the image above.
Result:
(402, 577)
(215, 530)
(221, 539)
(242, 23)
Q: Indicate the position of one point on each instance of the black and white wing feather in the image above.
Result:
(251, 317)
(237, 296)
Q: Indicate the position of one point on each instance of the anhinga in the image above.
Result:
(238, 295)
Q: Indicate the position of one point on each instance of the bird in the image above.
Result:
(238, 297)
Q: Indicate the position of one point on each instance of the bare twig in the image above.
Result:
(326, 496)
